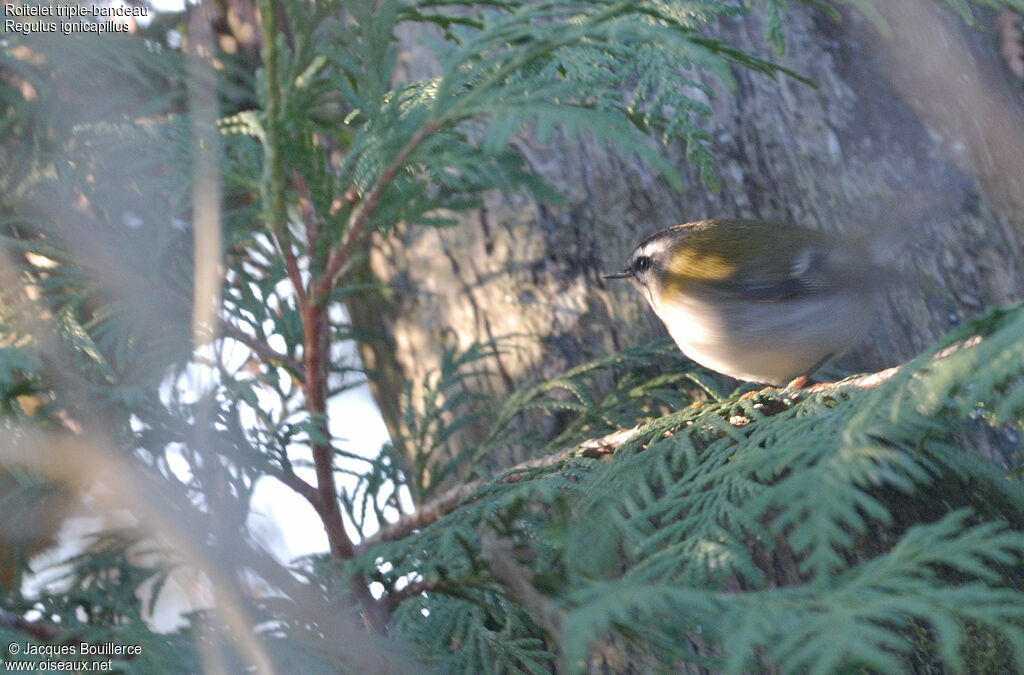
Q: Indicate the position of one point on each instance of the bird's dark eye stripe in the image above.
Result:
(642, 264)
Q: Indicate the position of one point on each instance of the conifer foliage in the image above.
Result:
(845, 527)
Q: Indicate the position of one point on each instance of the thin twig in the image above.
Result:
(291, 265)
(451, 499)
(263, 350)
(355, 230)
(429, 513)
(307, 208)
(39, 630)
(393, 599)
(296, 483)
(500, 556)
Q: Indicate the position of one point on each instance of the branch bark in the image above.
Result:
(500, 556)
(452, 499)
(362, 216)
(312, 307)
(301, 487)
(263, 350)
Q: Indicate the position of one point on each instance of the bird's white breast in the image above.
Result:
(762, 341)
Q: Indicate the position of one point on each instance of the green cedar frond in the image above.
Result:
(475, 635)
(849, 529)
(890, 542)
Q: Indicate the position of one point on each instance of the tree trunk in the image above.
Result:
(914, 128)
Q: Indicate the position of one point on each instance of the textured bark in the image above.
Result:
(913, 135)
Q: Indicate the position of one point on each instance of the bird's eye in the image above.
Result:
(642, 264)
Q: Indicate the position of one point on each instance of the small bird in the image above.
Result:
(759, 301)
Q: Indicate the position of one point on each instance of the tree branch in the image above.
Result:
(291, 265)
(450, 500)
(500, 556)
(307, 208)
(395, 598)
(39, 630)
(316, 350)
(315, 322)
(431, 512)
(301, 487)
(263, 350)
(361, 217)
(313, 309)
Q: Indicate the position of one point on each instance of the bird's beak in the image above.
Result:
(619, 275)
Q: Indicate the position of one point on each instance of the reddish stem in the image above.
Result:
(355, 230)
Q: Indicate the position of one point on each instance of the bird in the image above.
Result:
(766, 302)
